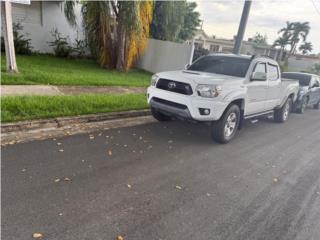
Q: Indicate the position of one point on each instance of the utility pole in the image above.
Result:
(6, 15)
(242, 26)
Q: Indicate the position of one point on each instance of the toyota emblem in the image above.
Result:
(171, 85)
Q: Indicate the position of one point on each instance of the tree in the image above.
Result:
(7, 29)
(306, 47)
(300, 32)
(174, 20)
(260, 39)
(191, 21)
(117, 31)
(168, 18)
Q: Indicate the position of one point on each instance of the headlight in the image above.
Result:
(154, 80)
(208, 91)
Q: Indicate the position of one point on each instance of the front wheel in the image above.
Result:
(225, 129)
(303, 106)
(282, 114)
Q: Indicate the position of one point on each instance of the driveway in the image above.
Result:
(167, 181)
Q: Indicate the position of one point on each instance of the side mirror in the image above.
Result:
(187, 66)
(259, 76)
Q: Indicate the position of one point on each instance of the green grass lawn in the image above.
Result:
(45, 69)
(40, 107)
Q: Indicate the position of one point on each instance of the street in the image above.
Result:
(167, 181)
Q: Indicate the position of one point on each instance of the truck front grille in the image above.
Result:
(174, 86)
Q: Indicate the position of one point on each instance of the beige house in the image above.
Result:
(216, 45)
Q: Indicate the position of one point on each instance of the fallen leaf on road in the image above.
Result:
(37, 235)
(275, 180)
(61, 150)
(178, 187)
(109, 152)
(67, 179)
(120, 238)
(57, 180)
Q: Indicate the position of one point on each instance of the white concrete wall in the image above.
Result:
(165, 56)
(52, 16)
(301, 64)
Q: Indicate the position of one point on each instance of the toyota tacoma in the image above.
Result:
(224, 90)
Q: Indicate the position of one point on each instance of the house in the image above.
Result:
(215, 45)
(302, 63)
(40, 18)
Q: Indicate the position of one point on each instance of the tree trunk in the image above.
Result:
(8, 36)
(121, 48)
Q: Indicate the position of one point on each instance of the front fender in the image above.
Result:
(235, 95)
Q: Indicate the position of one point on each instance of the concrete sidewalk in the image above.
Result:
(49, 90)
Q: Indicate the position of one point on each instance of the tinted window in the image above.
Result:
(304, 79)
(273, 72)
(261, 67)
(231, 66)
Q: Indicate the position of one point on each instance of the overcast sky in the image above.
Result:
(221, 17)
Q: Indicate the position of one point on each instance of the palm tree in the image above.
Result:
(306, 47)
(117, 31)
(300, 32)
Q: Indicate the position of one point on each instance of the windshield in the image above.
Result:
(231, 66)
(304, 79)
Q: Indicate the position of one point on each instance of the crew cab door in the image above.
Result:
(314, 94)
(274, 87)
(257, 90)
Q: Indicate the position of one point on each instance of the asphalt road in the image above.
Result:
(167, 181)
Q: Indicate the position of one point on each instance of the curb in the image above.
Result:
(65, 121)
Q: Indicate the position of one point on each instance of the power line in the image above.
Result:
(315, 7)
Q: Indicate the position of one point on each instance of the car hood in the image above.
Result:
(193, 77)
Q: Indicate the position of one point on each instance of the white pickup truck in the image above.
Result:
(223, 89)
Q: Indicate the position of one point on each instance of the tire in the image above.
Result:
(159, 116)
(303, 106)
(316, 106)
(223, 130)
(281, 115)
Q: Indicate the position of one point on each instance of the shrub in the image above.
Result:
(80, 47)
(22, 44)
(60, 44)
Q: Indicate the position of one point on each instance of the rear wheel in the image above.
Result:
(225, 129)
(281, 115)
(159, 116)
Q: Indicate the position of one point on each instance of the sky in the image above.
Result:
(221, 17)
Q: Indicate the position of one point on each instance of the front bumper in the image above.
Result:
(185, 106)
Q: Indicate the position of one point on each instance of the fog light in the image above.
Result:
(204, 111)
